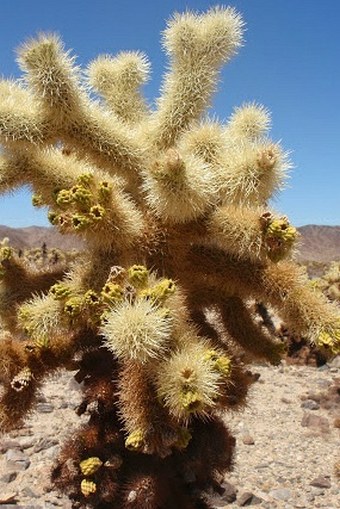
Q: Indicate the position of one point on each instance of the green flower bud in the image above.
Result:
(97, 212)
(73, 306)
(63, 197)
(135, 440)
(112, 293)
(37, 200)
(138, 275)
(80, 222)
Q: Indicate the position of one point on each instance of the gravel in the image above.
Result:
(286, 450)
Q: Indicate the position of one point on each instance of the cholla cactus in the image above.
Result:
(173, 209)
(329, 283)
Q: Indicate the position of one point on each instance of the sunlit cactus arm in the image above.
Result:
(83, 200)
(205, 140)
(198, 45)
(179, 187)
(54, 78)
(21, 119)
(251, 172)
(305, 311)
(18, 283)
(251, 233)
(283, 285)
(147, 425)
(118, 80)
(250, 122)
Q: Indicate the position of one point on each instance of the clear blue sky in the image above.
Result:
(290, 63)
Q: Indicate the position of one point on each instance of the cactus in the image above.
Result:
(173, 209)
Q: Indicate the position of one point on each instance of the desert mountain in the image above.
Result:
(317, 243)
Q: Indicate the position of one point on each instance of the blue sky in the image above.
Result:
(290, 63)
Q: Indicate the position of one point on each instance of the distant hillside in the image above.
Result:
(35, 236)
(317, 243)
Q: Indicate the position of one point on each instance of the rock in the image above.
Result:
(45, 443)
(17, 460)
(28, 492)
(315, 421)
(8, 497)
(310, 404)
(281, 494)
(229, 493)
(286, 400)
(9, 477)
(44, 408)
(6, 444)
(27, 442)
(248, 440)
(335, 363)
(320, 482)
(247, 498)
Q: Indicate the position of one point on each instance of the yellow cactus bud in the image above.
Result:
(138, 275)
(184, 437)
(60, 291)
(85, 179)
(223, 365)
(112, 293)
(161, 291)
(88, 487)
(21, 380)
(6, 253)
(90, 465)
(91, 299)
(105, 189)
(281, 229)
(190, 400)
(330, 340)
(81, 195)
(73, 306)
(80, 222)
(63, 197)
(135, 440)
(52, 217)
(279, 236)
(220, 363)
(97, 212)
(37, 200)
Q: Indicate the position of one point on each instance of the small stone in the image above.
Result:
(44, 408)
(245, 498)
(8, 444)
(229, 493)
(286, 400)
(281, 494)
(28, 492)
(9, 477)
(335, 363)
(27, 442)
(315, 421)
(45, 443)
(17, 460)
(248, 440)
(310, 404)
(8, 498)
(320, 482)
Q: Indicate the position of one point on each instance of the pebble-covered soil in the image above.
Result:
(288, 442)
